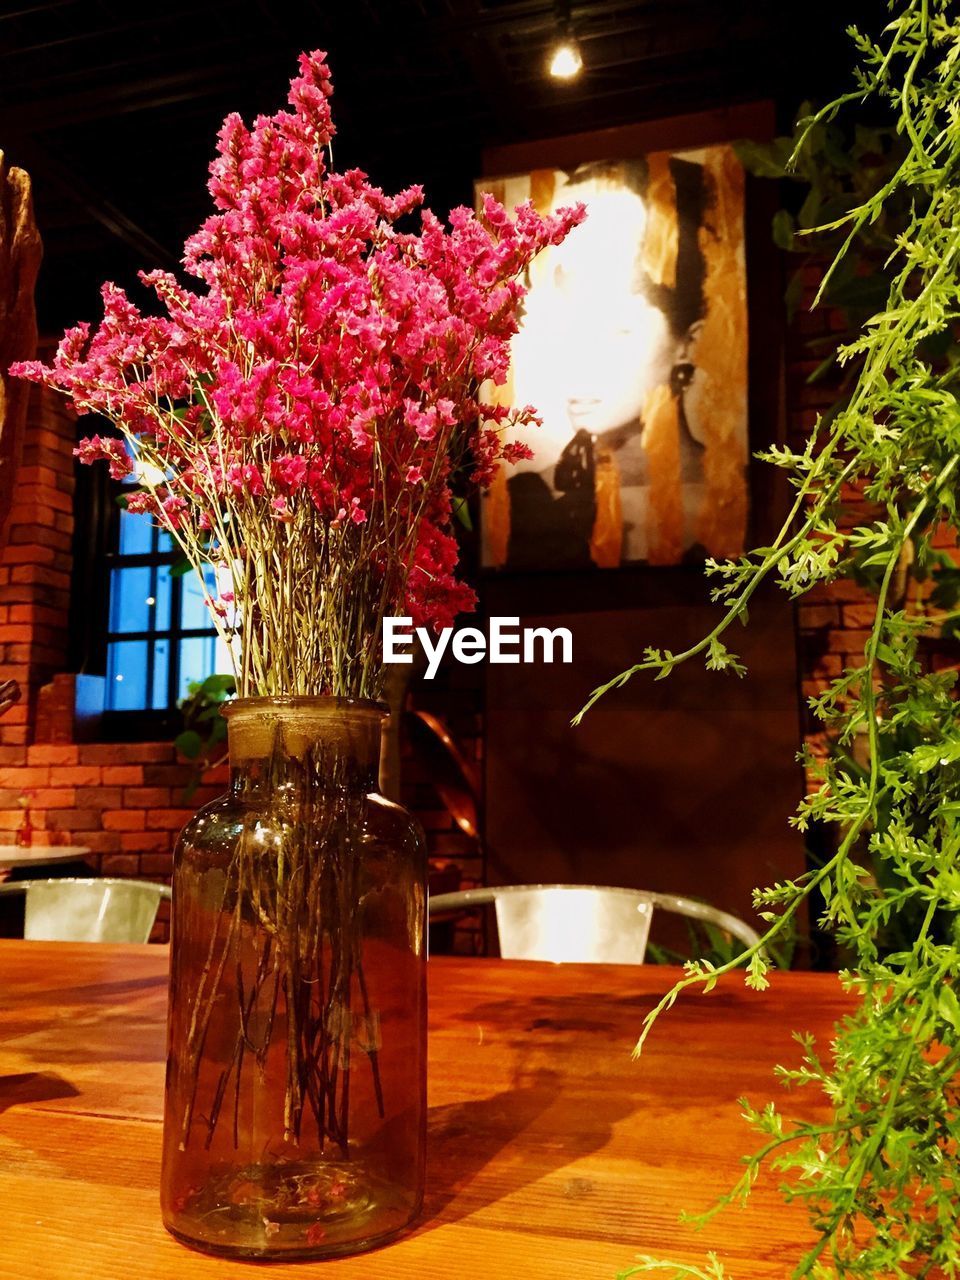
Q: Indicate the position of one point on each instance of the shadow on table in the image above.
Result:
(92, 994)
(33, 1086)
(536, 1116)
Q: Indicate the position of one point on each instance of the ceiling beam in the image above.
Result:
(73, 188)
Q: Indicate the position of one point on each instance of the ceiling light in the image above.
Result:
(565, 59)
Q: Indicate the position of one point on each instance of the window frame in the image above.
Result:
(96, 556)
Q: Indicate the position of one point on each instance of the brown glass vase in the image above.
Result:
(296, 1071)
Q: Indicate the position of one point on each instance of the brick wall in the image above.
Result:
(36, 564)
(833, 621)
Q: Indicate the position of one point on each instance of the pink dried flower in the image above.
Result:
(304, 403)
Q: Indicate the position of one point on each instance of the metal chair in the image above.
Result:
(590, 924)
(87, 910)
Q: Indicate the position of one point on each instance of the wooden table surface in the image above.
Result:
(552, 1153)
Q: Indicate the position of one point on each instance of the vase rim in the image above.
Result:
(305, 702)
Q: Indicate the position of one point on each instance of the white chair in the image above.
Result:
(590, 924)
(87, 910)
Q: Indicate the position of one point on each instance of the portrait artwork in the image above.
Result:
(633, 348)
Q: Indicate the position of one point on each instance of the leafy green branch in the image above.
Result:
(881, 1178)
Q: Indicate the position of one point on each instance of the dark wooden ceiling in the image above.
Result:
(114, 106)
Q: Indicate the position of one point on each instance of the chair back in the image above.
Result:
(573, 924)
(87, 910)
(586, 924)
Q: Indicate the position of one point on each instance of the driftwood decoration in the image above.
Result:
(20, 253)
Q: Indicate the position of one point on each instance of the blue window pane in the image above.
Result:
(161, 671)
(136, 534)
(127, 675)
(138, 599)
(198, 659)
(130, 590)
(194, 614)
(163, 588)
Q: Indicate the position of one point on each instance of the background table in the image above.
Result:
(552, 1154)
(12, 856)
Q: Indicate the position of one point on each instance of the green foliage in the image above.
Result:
(645, 1265)
(834, 171)
(706, 942)
(880, 1179)
(204, 727)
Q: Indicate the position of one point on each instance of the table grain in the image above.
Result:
(551, 1152)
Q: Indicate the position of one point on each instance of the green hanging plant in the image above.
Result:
(203, 739)
(881, 1179)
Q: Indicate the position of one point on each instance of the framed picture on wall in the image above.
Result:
(633, 347)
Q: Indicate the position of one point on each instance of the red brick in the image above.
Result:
(96, 841)
(124, 820)
(146, 797)
(100, 797)
(77, 775)
(104, 753)
(37, 615)
(819, 615)
(44, 754)
(123, 775)
(34, 474)
(29, 554)
(16, 633)
(30, 497)
(54, 798)
(39, 575)
(859, 615)
(24, 778)
(167, 775)
(145, 841)
(40, 535)
(74, 820)
(168, 819)
(847, 641)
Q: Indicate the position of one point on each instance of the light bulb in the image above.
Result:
(565, 60)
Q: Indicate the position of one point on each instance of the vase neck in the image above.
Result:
(328, 741)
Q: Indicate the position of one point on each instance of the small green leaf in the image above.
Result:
(189, 744)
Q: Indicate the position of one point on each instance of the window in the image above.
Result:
(159, 633)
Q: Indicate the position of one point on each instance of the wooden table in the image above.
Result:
(553, 1156)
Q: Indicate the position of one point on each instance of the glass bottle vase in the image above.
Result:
(294, 1117)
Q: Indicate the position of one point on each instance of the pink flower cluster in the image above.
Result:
(331, 358)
